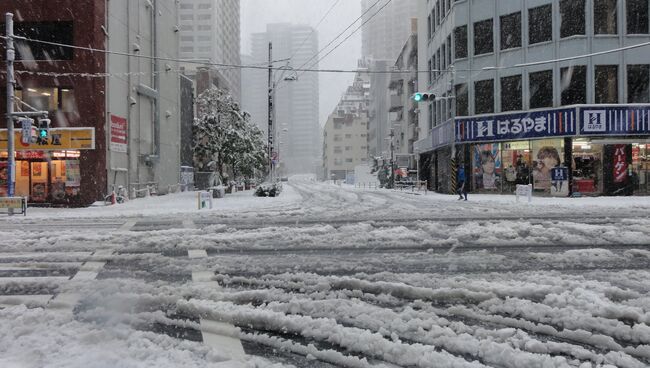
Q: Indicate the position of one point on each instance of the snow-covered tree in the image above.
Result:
(225, 135)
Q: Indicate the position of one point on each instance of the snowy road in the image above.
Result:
(328, 276)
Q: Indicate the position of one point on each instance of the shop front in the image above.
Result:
(46, 175)
(585, 150)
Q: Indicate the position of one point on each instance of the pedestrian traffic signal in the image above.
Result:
(423, 97)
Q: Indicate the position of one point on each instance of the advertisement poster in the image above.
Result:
(487, 166)
(119, 127)
(72, 173)
(545, 159)
(24, 168)
(620, 164)
(4, 178)
(39, 192)
(37, 169)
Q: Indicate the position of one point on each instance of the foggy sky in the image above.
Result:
(255, 14)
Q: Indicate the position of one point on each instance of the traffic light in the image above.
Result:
(43, 130)
(423, 97)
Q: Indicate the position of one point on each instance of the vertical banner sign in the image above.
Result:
(620, 163)
(119, 127)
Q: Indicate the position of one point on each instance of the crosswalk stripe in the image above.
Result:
(197, 253)
(33, 279)
(30, 300)
(46, 255)
(52, 266)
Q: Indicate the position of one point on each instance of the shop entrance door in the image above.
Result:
(39, 183)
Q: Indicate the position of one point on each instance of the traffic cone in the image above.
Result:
(113, 198)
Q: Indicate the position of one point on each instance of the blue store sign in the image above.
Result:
(615, 120)
(519, 126)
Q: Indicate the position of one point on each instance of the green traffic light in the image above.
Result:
(417, 97)
(43, 133)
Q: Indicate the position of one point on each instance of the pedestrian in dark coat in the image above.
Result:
(462, 183)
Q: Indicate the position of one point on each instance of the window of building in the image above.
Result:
(511, 31)
(204, 27)
(204, 16)
(57, 32)
(187, 49)
(572, 13)
(511, 99)
(204, 38)
(460, 42)
(187, 38)
(349, 160)
(540, 24)
(483, 38)
(437, 13)
(187, 6)
(205, 6)
(638, 82)
(541, 89)
(348, 148)
(637, 16)
(430, 66)
(462, 100)
(187, 27)
(338, 149)
(574, 85)
(484, 96)
(449, 49)
(606, 84)
(605, 16)
(438, 63)
(431, 116)
(48, 98)
(443, 55)
(187, 17)
(429, 31)
(348, 136)
(433, 21)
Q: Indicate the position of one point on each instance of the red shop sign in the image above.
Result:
(27, 155)
(620, 163)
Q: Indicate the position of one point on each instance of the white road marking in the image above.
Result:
(47, 255)
(30, 300)
(197, 253)
(128, 225)
(38, 266)
(34, 279)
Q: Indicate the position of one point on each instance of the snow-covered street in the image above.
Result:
(329, 276)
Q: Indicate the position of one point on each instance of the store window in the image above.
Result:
(511, 31)
(484, 96)
(511, 99)
(638, 83)
(487, 168)
(516, 161)
(605, 16)
(574, 85)
(460, 42)
(48, 98)
(572, 13)
(587, 167)
(483, 38)
(606, 84)
(548, 154)
(462, 100)
(540, 24)
(641, 168)
(55, 32)
(541, 89)
(636, 12)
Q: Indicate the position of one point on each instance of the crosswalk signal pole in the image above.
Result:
(11, 55)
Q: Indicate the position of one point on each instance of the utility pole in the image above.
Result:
(392, 158)
(270, 137)
(454, 165)
(11, 55)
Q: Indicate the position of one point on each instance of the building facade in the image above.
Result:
(129, 103)
(386, 30)
(378, 125)
(345, 135)
(296, 102)
(403, 109)
(210, 30)
(551, 93)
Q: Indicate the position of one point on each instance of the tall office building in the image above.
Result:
(387, 29)
(298, 139)
(210, 29)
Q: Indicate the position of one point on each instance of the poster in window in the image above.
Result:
(545, 159)
(39, 192)
(72, 173)
(620, 164)
(4, 178)
(24, 168)
(37, 170)
(487, 166)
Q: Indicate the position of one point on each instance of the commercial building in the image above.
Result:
(210, 30)
(520, 103)
(345, 135)
(388, 27)
(296, 102)
(115, 119)
(378, 125)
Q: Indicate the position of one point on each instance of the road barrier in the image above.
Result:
(14, 203)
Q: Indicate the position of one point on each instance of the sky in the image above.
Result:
(256, 14)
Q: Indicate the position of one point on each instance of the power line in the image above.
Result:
(305, 70)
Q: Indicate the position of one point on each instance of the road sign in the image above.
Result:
(205, 200)
(19, 203)
(58, 139)
(525, 191)
(27, 126)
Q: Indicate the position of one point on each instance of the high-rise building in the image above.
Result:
(296, 102)
(210, 30)
(388, 27)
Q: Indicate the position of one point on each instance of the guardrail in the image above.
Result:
(367, 185)
(149, 189)
(419, 186)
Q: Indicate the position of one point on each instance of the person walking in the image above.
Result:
(462, 183)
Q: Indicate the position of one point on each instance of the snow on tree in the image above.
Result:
(223, 134)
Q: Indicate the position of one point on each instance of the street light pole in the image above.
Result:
(392, 158)
(11, 55)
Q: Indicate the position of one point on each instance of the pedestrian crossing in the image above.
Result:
(38, 279)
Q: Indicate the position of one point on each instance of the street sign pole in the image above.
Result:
(11, 54)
